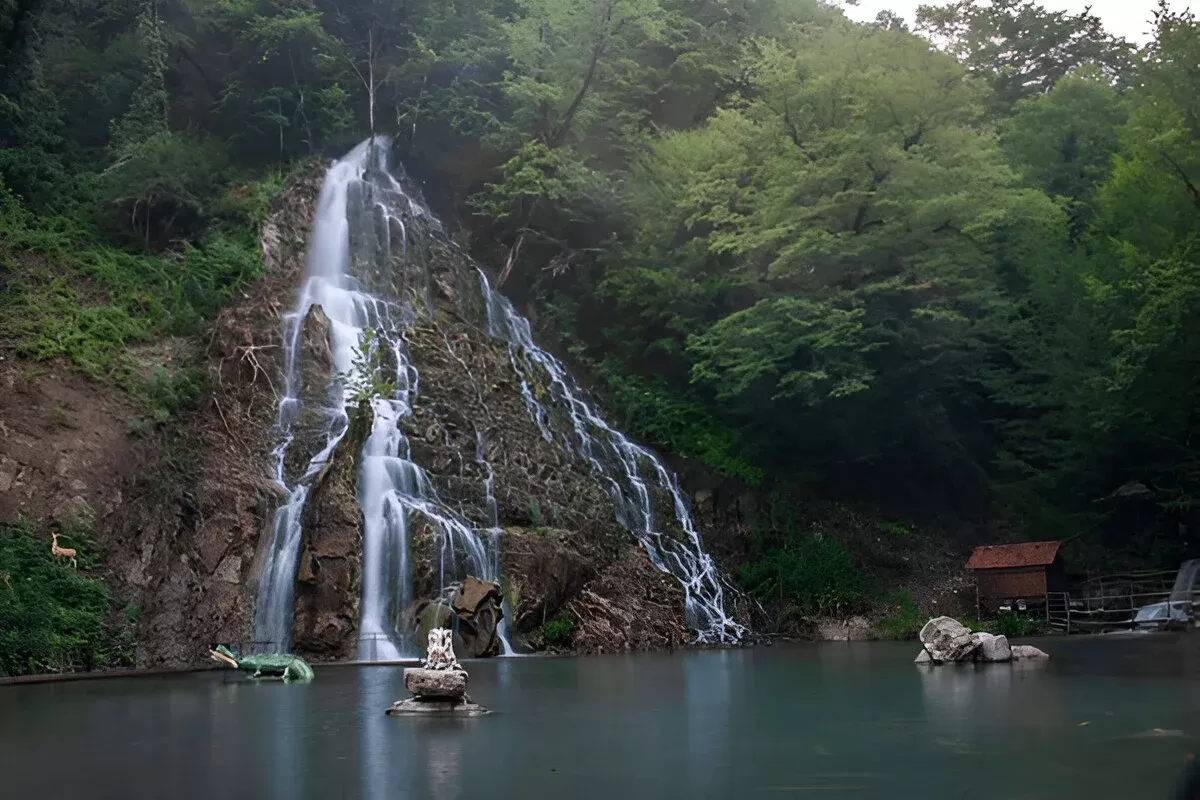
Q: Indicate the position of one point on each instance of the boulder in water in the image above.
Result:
(1027, 652)
(947, 639)
(993, 649)
(417, 706)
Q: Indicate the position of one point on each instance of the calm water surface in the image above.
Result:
(832, 720)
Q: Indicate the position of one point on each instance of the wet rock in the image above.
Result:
(630, 606)
(329, 572)
(416, 707)
(477, 605)
(993, 649)
(543, 569)
(947, 639)
(312, 420)
(1026, 652)
(445, 684)
(432, 615)
(315, 356)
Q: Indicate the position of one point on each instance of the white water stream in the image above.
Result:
(362, 213)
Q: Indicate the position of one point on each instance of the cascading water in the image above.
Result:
(360, 235)
(616, 459)
(361, 202)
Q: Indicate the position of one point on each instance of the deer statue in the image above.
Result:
(62, 552)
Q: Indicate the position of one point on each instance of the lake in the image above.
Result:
(815, 720)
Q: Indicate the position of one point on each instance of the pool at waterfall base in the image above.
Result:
(1106, 717)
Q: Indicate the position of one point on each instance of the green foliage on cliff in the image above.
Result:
(52, 618)
(959, 280)
(558, 631)
(808, 572)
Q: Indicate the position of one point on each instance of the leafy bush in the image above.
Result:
(813, 572)
(534, 509)
(904, 621)
(52, 618)
(168, 392)
(162, 188)
(559, 631)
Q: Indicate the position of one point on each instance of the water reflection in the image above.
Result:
(383, 764)
(283, 729)
(707, 681)
(442, 754)
(1007, 694)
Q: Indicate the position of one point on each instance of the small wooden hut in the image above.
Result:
(1009, 574)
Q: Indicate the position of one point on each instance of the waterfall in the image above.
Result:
(361, 202)
(361, 229)
(493, 531)
(618, 461)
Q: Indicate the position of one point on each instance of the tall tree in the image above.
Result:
(1021, 48)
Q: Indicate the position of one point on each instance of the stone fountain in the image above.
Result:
(439, 686)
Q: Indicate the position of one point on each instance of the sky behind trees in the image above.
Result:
(1130, 19)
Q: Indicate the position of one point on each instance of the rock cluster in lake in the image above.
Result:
(946, 641)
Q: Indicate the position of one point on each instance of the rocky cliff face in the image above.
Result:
(179, 514)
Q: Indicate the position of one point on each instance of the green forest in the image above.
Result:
(948, 266)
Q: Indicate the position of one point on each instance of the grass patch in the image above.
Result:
(903, 621)
(1016, 625)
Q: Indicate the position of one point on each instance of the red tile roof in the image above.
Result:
(1007, 556)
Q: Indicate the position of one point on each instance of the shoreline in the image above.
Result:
(762, 640)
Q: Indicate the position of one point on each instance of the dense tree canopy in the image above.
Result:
(955, 269)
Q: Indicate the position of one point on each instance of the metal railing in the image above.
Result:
(1115, 609)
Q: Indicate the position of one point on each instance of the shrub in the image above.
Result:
(814, 572)
(1012, 624)
(559, 631)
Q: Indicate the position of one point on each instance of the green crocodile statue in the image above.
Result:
(282, 665)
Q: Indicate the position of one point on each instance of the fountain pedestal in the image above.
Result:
(440, 687)
(436, 684)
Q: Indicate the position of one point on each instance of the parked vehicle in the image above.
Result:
(1167, 615)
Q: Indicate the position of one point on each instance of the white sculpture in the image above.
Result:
(440, 651)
